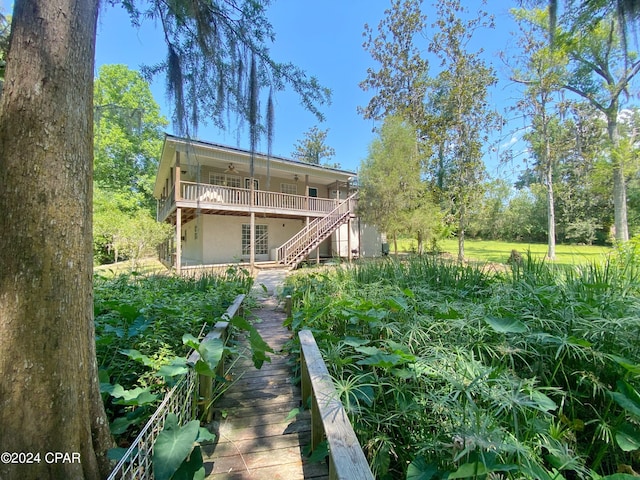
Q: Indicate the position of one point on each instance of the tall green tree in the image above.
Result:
(488, 216)
(313, 147)
(542, 74)
(593, 34)
(400, 82)
(128, 133)
(601, 74)
(463, 112)
(49, 392)
(392, 194)
(626, 11)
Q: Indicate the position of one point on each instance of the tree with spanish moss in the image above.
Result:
(49, 391)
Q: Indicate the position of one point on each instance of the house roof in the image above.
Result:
(197, 153)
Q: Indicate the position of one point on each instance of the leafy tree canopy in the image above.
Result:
(128, 132)
(312, 148)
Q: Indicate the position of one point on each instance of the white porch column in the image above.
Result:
(178, 240)
(349, 254)
(252, 226)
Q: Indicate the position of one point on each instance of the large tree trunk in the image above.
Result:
(49, 395)
(619, 183)
(551, 219)
(551, 211)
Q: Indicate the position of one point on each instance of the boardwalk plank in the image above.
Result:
(254, 438)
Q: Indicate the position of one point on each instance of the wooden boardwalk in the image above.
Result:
(254, 439)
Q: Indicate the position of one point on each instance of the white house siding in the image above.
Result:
(192, 243)
(370, 241)
(224, 236)
(364, 238)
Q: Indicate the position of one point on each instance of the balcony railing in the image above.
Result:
(216, 196)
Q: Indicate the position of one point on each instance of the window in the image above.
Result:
(247, 184)
(224, 180)
(261, 240)
(313, 192)
(289, 188)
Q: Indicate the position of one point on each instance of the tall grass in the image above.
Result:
(456, 370)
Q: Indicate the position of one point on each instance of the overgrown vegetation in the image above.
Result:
(145, 327)
(453, 371)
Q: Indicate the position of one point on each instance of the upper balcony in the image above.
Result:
(209, 178)
(230, 200)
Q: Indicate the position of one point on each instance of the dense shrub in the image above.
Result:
(140, 323)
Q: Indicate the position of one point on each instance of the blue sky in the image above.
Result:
(325, 39)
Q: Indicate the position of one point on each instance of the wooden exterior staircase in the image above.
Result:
(292, 252)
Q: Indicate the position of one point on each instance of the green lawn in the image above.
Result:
(145, 266)
(496, 251)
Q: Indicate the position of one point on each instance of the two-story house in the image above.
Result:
(228, 205)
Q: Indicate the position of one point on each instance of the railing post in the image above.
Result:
(328, 417)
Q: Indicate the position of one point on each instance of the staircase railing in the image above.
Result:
(297, 247)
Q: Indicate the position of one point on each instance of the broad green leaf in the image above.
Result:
(136, 396)
(178, 366)
(103, 377)
(259, 348)
(138, 357)
(543, 402)
(211, 352)
(129, 312)
(627, 397)
(355, 342)
(119, 331)
(241, 323)
(364, 393)
(139, 326)
(397, 303)
(628, 438)
(403, 373)
(409, 293)
(120, 425)
(469, 470)
(581, 342)
(320, 453)
(368, 350)
(173, 446)
(190, 341)
(382, 360)
(419, 469)
(292, 414)
(192, 468)
(506, 325)
(626, 364)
